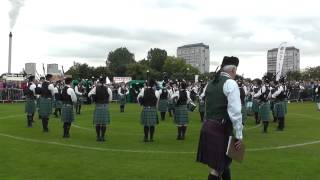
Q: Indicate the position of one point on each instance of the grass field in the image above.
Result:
(28, 153)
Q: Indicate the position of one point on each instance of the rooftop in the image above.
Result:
(287, 48)
(194, 45)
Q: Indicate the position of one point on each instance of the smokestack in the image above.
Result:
(10, 49)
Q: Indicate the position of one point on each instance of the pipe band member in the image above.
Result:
(102, 95)
(148, 98)
(30, 106)
(279, 103)
(45, 102)
(163, 101)
(181, 111)
(222, 117)
(201, 101)
(263, 96)
(123, 92)
(57, 99)
(68, 98)
(79, 90)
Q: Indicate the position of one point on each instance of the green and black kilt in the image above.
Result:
(67, 114)
(149, 116)
(279, 109)
(255, 106)
(171, 105)
(38, 102)
(272, 103)
(45, 107)
(58, 104)
(244, 113)
(201, 106)
(264, 111)
(122, 100)
(181, 115)
(318, 99)
(30, 106)
(163, 105)
(101, 114)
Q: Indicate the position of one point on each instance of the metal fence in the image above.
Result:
(11, 94)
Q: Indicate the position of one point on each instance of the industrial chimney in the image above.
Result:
(10, 49)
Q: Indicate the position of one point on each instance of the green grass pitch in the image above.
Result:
(28, 153)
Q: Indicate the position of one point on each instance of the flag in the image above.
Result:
(280, 58)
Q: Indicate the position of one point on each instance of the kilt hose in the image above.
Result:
(67, 113)
(30, 106)
(45, 107)
(163, 105)
(279, 109)
(213, 145)
(264, 111)
(149, 116)
(101, 114)
(181, 115)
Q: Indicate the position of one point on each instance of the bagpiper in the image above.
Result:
(263, 96)
(123, 92)
(30, 106)
(102, 95)
(79, 90)
(148, 98)
(68, 98)
(255, 102)
(45, 102)
(279, 105)
(57, 99)
(163, 101)
(243, 92)
(181, 111)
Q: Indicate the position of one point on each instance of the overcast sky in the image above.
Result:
(63, 31)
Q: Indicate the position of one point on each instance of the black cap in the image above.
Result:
(31, 78)
(230, 61)
(102, 79)
(42, 78)
(266, 79)
(68, 80)
(183, 85)
(48, 76)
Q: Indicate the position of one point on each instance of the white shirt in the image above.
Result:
(71, 93)
(33, 88)
(275, 94)
(141, 94)
(231, 91)
(77, 91)
(119, 91)
(177, 95)
(93, 91)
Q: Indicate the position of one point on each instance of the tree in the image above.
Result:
(102, 71)
(80, 71)
(157, 58)
(176, 68)
(119, 60)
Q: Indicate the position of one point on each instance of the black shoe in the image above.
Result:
(178, 137)
(102, 139)
(98, 139)
(46, 130)
(145, 140)
(151, 140)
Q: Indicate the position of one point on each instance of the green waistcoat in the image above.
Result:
(216, 101)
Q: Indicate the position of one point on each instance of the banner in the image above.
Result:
(280, 58)
(121, 79)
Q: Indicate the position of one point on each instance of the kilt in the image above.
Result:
(181, 115)
(279, 109)
(201, 106)
(285, 103)
(264, 111)
(38, 102)
(122, 100)
(213, 145)
(58, 104)
(45, 107)
(163, 105)
(170, 104)
(149, 116)
(67, 114)
(255, 106)
(30, 106)
(318, 99)
(101, 114)
(244, 113)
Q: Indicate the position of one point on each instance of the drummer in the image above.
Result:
(181, 110)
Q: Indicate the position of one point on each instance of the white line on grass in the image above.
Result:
(143, 151)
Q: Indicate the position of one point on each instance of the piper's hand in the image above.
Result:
(238, 144)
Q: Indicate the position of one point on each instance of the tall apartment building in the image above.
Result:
(30, 68)
(53, 69)
(291, 60)
(197, 55)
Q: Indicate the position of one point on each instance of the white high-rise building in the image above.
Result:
(30, 68)
(197, 55)
(291, 60)
(53, 69)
